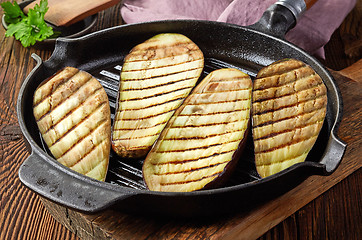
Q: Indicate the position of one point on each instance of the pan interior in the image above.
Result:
(223, 46)
(128, 172)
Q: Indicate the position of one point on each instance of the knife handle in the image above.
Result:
(310, 3)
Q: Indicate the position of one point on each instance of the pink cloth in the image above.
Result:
(311, 33)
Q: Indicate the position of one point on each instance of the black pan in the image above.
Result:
(224, 45)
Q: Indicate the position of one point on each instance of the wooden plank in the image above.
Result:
(243, 225)
(22, 216)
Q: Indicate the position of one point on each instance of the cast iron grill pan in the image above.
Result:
(224, 45)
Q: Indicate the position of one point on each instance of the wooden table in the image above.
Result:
(330, 211)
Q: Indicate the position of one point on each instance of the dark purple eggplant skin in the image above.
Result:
(229, 169)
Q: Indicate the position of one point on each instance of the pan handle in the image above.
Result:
(334, 154)
(68, 188)
(282, 16)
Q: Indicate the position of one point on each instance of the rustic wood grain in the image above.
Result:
(351, 32)
(22, 216)
(335, 214)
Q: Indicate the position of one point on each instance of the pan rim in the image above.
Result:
(37, 149)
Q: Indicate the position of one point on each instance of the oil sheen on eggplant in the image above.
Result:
(200, 145)
(73, 115)
(156, 77)
(289, 107)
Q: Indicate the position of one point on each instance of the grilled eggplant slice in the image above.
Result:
(156, 77)
(73, 115)
(199, 147)
(289, 107)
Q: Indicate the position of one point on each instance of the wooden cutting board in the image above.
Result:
(251, 224)
(67, 12)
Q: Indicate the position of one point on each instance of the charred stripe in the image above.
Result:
(288, 106)
(192, 159)
(74, 109)
(81, 139)
(285, 131)
(163, 75)
(282, 119)
(191, 181)
(202, 137)
(80, 123)
(193, 169)
(170, 65)
(285, 145)
(155, 95)
(198, 148)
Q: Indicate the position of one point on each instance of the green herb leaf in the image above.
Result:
(12, 12)
(42, 7)
(31, 28)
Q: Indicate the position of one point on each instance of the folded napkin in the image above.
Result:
(312, 32)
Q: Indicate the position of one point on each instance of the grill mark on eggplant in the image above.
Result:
(81, 139)
(93, 168)
(60, 85)
(74, 109)
(282, 160)
(280, 86)
(192, 159)
(87, 153)
(54, 89)
(234, 79)
(135, 148)
(158, 46)
(225, 101)
(156, 95)
(159, 85)
(285, 145)
(154, 105)
(142, 147)
(191, 181)
(273, 134)
(53, 107)
(282, 119)
(197, 148)
(209, 124)
(193, 169)
(292, 84)
(139, 128)
(158, 67)
(225, 91)
(133, 137)
(289, 94)
(83, 120)
(189, 45)
(202, 137)
(162, 75)
(151, 116)
(287, 106)
(283, 72)
(214, 113)
(157, 59)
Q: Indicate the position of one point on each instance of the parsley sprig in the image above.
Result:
(28, 29)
